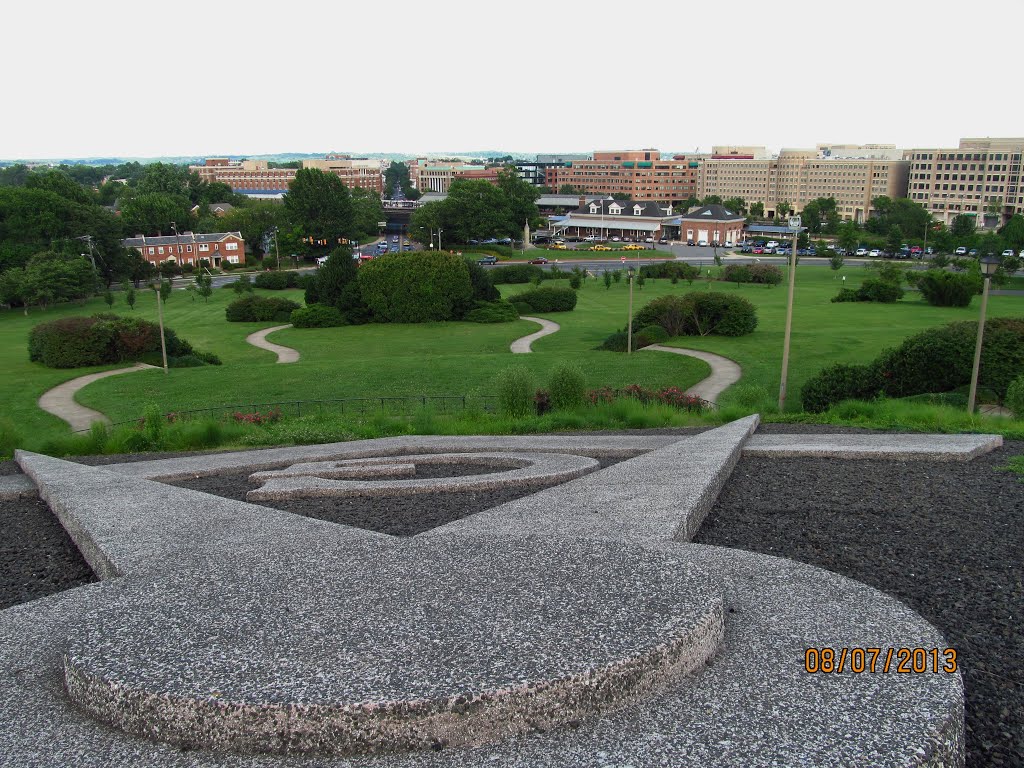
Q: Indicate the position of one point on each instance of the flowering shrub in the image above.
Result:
(668, 396)
(270, 417)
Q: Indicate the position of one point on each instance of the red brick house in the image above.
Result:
(188, 248)
(712, 224)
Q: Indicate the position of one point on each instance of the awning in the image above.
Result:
(619, 224)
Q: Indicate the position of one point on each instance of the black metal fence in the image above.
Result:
(356, 406)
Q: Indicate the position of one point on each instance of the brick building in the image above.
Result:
(605, 218)
(641, 174)
(713, 225)
(257, 177)
(188, 248)
(437, 176)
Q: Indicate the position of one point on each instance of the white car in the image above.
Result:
(1008, 252)
(961, 251)
(702, 243)
(862, 252)
(616, 239)
(875, 253)
(322, 260)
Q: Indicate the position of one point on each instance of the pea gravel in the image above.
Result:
(945, 538)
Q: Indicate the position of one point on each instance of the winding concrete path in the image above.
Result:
(284, 354)
(522, 346)
(60, 401)
(724, 372)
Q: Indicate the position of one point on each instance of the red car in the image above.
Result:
(539, 260)
(757, 249)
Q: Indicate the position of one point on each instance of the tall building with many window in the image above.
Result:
(257, 177)
(852, 174)
(981, 177)
(642, 175)
(437, 175)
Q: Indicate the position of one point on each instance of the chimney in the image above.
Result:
(583, 201)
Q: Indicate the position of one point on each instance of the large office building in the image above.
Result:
(255, 177)
(428, 175)
(852, 174)
(980, 177)
(640, 175)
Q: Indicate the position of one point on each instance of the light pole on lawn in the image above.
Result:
(630, 272)
(989, 264)
(794, 224)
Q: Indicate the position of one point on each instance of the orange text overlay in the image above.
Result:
(900, 660)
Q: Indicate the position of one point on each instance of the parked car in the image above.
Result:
(634, 247)
(961, 251)
(772, 244)
(648, 239)
(690, 242)
(702, 243)
(488, 260)
(539, 260)
(861, 252)
(972, 252)
(591, 239)
(1007, 252)
(616, 239)
(757, 249)
(601, 248)
(559, 247)
(663, 241)
(874, 253)
(916, 252)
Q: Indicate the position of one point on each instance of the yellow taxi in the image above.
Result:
(600, 248)
(633, 247)
(559, 247)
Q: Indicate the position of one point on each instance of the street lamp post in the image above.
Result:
(794, 224)
(630, 272)
(989, 265)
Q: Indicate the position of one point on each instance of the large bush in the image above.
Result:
(260, 309)
(492, 312)
(416, 287)
(75, 342)
(336, 284)
(516, 388)
(317, 316)
(652, 334)
(768, 274)
(947, 289)
(872, 289)
(551, 299)
(736, 273)
(568, 386)
(933, 361)
(678, 270)
(1015, 396)
(515, 273)
(698, 314)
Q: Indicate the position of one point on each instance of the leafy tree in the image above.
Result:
(204, 287)
(687, 204)
(836, 261)
(108, 297)
(711, 200)
(151, 213)
(242, 285)
(521, 197)
(607, 279)
(165, 290)
(51, 277)
(14, 176)
(909, 216)
(569, 189)
(1012, 233)
(254, 221)
(129, 294)
(61, 184)
(621, 196)
(13, 288)
(848, 235)
(757, 210)
(398, 173)
(783, 209)
(963, 226)
(336, 285)
(367, 210)
(894, 239)
(321, 205)
(736, 205)
(820, 215)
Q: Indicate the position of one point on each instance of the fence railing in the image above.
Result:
(398, 405)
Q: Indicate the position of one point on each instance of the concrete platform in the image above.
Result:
(16, 487)
(900, 447)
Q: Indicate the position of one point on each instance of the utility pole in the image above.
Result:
(794, 224)
(160, 316)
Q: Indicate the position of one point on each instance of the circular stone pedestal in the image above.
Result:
(394, 647)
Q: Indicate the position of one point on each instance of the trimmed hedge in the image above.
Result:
(652, 334)
(317, 316)
(698, 314)
(872, 289)
(76, 342)
(1015, 396)
(549, 299)
(948, 289)
(492, 312)
(671, 269)
(416, 287)
(277, 281)
(260, 309)
(515, 273)
(933, 361)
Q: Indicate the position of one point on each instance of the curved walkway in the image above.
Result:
(522, 346)
(284, 354)
(724, 372)
(60, 401)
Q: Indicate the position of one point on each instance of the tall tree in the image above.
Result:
(736, 205)
(367, 211)
(1013, 232)
(151, 213)
(757, 210)
(321, 205)
(963, 226)
(783, 209)
(521, 199)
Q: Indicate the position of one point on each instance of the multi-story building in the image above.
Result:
(188, 248)
(437, 176)
(534, 172)
(853, 175)
(256, 177)
(981, 177)
(639, 174)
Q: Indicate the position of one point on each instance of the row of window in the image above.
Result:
(202, 247)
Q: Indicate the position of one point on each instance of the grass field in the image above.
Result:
(465, 358)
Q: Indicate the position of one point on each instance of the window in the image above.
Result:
(231, 246)
(188, 248)
(204, 247)
(152, 251)
(160, 249)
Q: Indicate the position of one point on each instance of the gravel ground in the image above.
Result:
(396, 516)
(37, 557)
(945, 538)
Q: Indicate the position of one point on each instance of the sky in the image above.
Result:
(157, 78)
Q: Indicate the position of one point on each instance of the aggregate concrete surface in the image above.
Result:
(284, 354)
(174, 555)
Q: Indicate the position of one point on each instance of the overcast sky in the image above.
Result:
(140, 79)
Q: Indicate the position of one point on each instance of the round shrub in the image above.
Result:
(670, 312)
(652, 334)
(882, 291)
(1015, 396)
(568, 387)
(767, 274)
(516, 388)
(736, 273)
(492, 312)
(699, 314)
(317, 316)
(548, 299)
(415, 287)
(846, 294)
(947, 289)
(840, 382)
(260, 309)
(614, 343)
(521, 307)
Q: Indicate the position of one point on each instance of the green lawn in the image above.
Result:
(465, 358)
